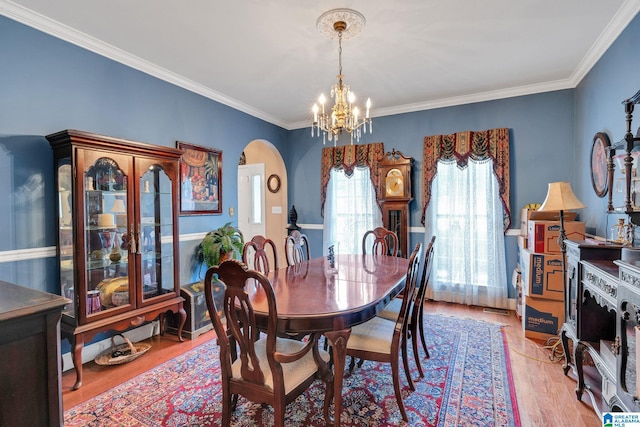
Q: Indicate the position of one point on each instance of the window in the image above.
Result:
(466, 215)
(350, 209)
(256, 199)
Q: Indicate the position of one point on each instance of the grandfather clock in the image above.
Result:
(394, 184)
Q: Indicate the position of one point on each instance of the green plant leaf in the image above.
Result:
(218, 242)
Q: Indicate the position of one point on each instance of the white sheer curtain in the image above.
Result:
(466, 215)
(350, 209)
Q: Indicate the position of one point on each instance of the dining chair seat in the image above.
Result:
(294, 373)
(374, 335)
(392, 309)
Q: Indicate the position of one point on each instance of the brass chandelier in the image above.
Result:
(344, 116)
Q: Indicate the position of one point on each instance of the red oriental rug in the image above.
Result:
(467, 382)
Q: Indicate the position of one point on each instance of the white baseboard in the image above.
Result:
(90, 351)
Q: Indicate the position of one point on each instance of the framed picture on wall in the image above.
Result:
(200, 180)
(599, 154)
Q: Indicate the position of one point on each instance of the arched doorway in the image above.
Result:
(262, 203)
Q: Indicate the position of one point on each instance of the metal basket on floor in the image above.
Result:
(121, 353)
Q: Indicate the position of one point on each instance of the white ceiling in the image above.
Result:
(267, 58)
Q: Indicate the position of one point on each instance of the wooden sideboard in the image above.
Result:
(598, 337)
(30, 379)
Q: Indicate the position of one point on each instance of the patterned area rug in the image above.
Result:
(467, 382)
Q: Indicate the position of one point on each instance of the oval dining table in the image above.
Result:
(314, 297)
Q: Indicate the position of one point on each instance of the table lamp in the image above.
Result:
(560, 197)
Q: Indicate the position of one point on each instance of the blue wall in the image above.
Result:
(47, 85)
(539, 125)
(599, 108)
(541, 135)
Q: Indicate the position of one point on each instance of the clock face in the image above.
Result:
(394, 183)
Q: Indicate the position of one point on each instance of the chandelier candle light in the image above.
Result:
(344, 115)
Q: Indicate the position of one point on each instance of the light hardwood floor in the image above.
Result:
(545, 396)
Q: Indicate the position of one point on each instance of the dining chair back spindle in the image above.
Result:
(381, 340)
(255, 256)
(381, 241)
(264, 368)
(296, 247)
(417, 316)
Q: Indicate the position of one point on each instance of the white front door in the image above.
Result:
(251, 200)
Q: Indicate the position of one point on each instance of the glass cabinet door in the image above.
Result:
(106, 237)
(628, 331)
(155, 240)
(65, 233)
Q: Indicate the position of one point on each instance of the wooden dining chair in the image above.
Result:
(381, 340)
(296, 247)
(254, 254)
(385, 242)
(262, 368)
(416, 319)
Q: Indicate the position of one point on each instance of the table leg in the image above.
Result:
(338, 340)
(567, 353)
(183, 319)
(579, 351)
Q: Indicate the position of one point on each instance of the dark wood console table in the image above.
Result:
(30, 372)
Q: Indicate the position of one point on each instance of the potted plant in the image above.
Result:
(220, 245)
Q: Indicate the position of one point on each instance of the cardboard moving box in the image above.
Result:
(541, 319)
(543, 235)
(542, 275)
(532, 214)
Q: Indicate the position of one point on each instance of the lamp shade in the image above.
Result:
(560, 197)
(118, 206)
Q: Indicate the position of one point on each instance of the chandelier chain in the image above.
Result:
(340, 54)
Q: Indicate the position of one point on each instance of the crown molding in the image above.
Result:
(78, 38)
(615, 27)
(612, 31)
(463, 100)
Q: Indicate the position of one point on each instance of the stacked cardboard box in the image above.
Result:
(540, 261)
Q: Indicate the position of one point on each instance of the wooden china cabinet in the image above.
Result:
(118, 235)
(394, 183)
